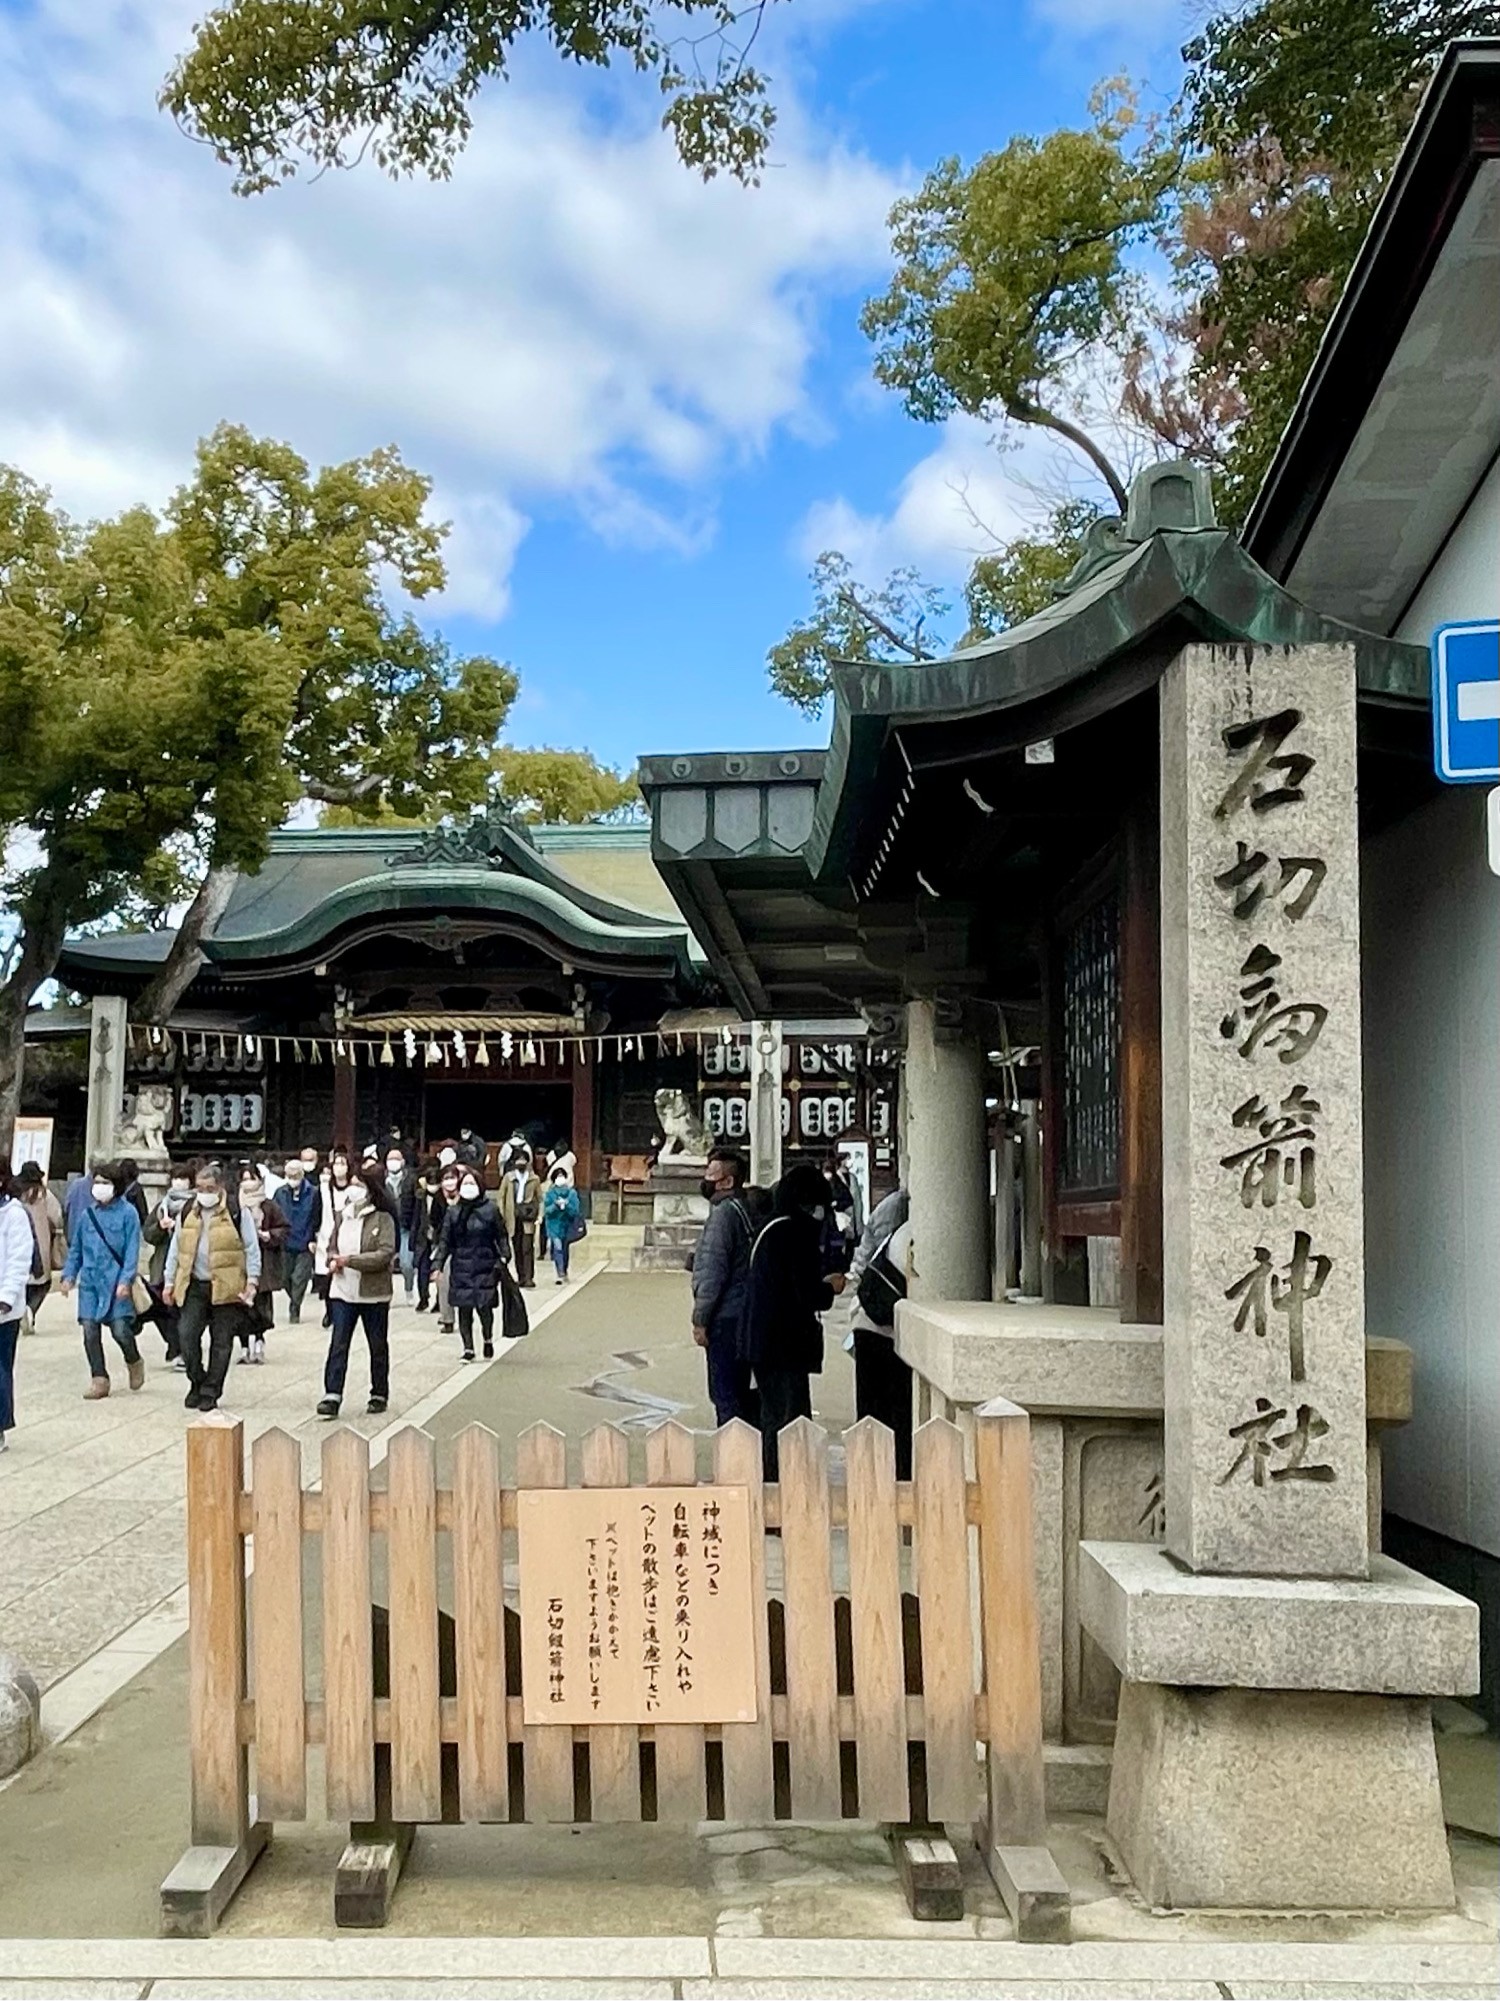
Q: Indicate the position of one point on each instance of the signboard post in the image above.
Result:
(1466, 702)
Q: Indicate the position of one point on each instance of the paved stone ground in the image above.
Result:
(90, 1828)
(91, 1494)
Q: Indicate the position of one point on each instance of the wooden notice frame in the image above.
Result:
(636, 1606)
(31, 1139)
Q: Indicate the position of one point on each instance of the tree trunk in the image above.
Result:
(43, 927)
(187, 956)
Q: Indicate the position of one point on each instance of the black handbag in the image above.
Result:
(514, 1319)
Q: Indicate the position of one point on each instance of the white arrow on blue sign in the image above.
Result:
(1466, 702)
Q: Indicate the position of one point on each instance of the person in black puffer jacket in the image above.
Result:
(472, 1248)
(789, 1286)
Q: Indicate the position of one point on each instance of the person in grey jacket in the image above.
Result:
(721, 1270)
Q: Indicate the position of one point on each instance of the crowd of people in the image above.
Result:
(769, 1264)
(204, 1261)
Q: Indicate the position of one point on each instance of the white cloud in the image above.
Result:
(953, 504)
(574, 317)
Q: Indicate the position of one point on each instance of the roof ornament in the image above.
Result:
(1174, 494)
(478, 842)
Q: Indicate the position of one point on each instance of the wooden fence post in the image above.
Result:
(225, 1844)
(1033, 1887)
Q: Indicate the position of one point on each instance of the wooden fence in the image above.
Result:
(874, 1702)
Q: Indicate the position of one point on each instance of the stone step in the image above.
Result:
(673, 1233)
(661, 1257)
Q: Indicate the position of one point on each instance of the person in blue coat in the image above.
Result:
(104, 1259)
(562, 1215)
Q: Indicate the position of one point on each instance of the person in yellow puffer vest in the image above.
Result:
(212, 1269)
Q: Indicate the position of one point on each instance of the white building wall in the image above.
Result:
(1432, 1155)
(1432, 1103)
(1464, 582)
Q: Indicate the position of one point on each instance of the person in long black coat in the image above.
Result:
(789, 1286)
(473, 1246)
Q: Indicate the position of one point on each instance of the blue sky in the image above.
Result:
(645, 403)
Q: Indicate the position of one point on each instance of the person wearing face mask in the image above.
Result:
(160, 1227)
(562, 1220)
(788, 1286)
(473, 1246)
(447, 1195)
(270, 1230)
(721, 1269)
(520, 1205)
(360, 1258)
(19, 1256)
(103, 1261)
(424, 1233)
(333, 1190)
(212, 1270)
(80, 1195)
(301, 1205)
(402, 1184)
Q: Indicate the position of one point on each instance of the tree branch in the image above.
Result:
(186, 956)
(852, 602)
(1026, 412)
(343, 795)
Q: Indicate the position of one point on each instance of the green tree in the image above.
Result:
(274, 84)
(175, 684)
(896, 620)
(1022, 577)
(563, 787)
(1012, 273)
(1297, 108)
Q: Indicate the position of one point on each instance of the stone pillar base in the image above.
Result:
(1269, 1799)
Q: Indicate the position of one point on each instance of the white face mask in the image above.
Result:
(208, 1198)
(469, 1190)
(104, 1191)
(395, 1164)
(358, 1193)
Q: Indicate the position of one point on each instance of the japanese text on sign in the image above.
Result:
(1272, 1152)
(636, 1605)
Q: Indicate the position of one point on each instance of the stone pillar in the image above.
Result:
(1263, 1186)
(943, 1083)
(765, 1102)
(1273, 1673)
(1004, 1156)
(106, 1099)
(1031, 1200)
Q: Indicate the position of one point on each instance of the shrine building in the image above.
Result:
(497, 976)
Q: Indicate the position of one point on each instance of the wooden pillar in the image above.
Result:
(1140, 1065)
(583, 1118)
(345, 1110)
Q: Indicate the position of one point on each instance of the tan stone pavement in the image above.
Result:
(91, 1494)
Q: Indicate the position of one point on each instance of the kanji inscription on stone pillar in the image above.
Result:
(1262, 1165)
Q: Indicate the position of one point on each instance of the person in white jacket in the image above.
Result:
(17, 1249)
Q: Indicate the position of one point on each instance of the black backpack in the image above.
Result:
(880, 1287)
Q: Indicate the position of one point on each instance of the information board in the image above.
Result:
(636, 1605)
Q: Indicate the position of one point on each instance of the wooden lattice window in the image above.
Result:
(1089, 1125)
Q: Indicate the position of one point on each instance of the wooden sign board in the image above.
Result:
(31, 1140)
(635, 1605)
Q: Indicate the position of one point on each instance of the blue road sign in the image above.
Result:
(1466, 702)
